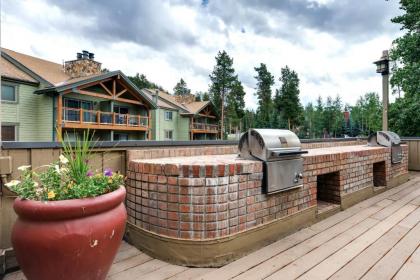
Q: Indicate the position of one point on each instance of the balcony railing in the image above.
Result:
(205, 126)
(82, 116)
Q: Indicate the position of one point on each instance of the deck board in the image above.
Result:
(378, 238)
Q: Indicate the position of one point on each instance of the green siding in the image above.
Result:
(179, 125)
(33, 114)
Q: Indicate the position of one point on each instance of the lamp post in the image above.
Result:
(382, 66)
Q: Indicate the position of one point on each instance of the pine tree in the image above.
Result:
(142, 82)
(181, 88)
(309, 116)
(235, 105)
(265, 103)
(223, 80)
(287, 98)
(319, 118)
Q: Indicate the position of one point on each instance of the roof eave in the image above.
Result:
(25, 69)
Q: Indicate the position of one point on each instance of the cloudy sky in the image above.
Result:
(330, 43)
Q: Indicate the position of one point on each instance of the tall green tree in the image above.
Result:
(287, 101)
(181, 88)
(249, 120)
(202, 96)
(141, 82)
(235, 105)
(366, 114)
(319, 118)
(404, 114)
(264, 95)
(309, 117)
(223, 80)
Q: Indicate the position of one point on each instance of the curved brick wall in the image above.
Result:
(206, 197)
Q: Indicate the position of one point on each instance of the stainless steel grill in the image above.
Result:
(281, 153)
(387, 139)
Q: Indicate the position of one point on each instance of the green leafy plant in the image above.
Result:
(68, 178)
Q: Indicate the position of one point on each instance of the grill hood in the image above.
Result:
(269, 144)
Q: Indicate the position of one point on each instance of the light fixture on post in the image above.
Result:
(382, 67)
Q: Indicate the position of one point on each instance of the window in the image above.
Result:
(168, 134)
(8, 133)
(120, 137)
(8, 93)
(168, 116)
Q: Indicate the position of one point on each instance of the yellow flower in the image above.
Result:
(110, 181)
(51, 194)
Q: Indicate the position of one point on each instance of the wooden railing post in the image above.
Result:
(59, 116)
(81, 115)
(113, 118)
(98, 117)
(128, 119)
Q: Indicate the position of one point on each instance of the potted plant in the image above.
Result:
(70, 220)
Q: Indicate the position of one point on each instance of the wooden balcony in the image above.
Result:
(204, 128)
(90, 119)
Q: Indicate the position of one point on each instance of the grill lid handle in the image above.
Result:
(279, 153)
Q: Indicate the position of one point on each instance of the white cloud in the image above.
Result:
(327, 63)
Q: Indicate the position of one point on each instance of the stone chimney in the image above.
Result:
(83, 66)
(185, 99)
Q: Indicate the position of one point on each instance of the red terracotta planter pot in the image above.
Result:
(69, 239)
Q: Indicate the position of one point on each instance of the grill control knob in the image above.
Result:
(298, 176)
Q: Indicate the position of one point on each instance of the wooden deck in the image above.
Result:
(378, 238)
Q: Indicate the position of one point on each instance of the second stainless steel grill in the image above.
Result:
(281, 153)
(388, 139)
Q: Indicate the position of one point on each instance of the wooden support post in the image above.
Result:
(149, 124)
(98, 117)
(113, 118)
(127, 116)
(81, 115)
(59, 116)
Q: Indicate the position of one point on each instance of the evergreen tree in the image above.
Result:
(319, 119)
(223, 80)
(338, 124)
(309, 117)
(265, 103)
(248, 120)
(181, 88)
(202, 96)
(404, 114)
(142, 82)
(367, 114)
(235, 105)
(287, 98)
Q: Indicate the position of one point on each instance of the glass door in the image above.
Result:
(88, 116)
(121, 116)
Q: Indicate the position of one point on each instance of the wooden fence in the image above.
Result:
(413, 153)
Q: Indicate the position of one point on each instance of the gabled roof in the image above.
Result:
(47, 71)
(73, 83)
(8, 70)
(165, 100)
(53, 75)
(196, 107)
(169, 101)
(161, 102)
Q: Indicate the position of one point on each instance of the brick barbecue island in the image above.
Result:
(207, 210)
